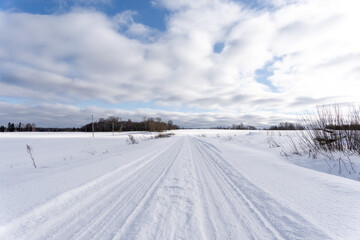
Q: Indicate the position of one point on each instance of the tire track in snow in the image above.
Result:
(173, 212)
(61, 217)
(262, 211)
(226, 217)
(128, 200)
(186, 190)
(166, 160)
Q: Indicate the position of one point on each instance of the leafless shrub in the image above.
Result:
(332, 129)
(29, 150)
(272, 142)
(296, 148)
(332, 132)
(132, 139)
(289, 144)
(164, 135)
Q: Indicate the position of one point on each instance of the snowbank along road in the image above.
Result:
(190, 187)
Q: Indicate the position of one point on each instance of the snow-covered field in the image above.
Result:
(197, 184)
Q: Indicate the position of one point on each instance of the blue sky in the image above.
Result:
(200, 63)
(148, 13)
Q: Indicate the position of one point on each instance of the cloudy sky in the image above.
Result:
(201, 63)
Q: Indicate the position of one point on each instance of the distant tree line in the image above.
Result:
(19, 127)
(102, 125)
(31, 127)
(298, 126)
(66, 129)
(287, 126)
(116, 124)
(241, 126)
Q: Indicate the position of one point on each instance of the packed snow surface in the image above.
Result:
(197, 184)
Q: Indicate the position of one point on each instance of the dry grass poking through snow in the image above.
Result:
(331, 134)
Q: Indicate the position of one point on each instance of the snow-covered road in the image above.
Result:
(189, 187)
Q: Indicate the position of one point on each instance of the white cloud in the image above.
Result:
(311, 47)
(318, 43)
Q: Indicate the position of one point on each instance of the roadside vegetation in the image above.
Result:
(332, 133)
